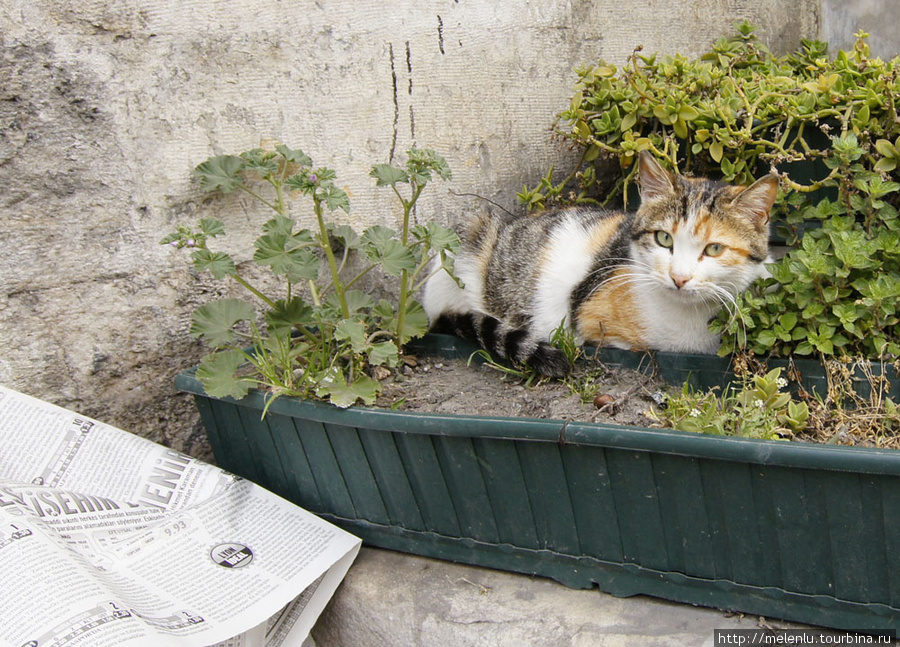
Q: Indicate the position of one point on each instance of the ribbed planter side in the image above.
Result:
(801, 532)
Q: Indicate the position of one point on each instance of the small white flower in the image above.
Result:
(761, 404)
(695, 413)
(781, 382)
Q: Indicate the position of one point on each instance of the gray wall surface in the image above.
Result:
(841, 19)
(105, 108)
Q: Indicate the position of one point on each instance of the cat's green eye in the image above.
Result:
(714, 249)
(663, 239)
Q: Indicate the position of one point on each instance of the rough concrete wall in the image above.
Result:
(105, 107)
(841, 19)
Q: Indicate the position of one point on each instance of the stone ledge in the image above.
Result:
(391, 599)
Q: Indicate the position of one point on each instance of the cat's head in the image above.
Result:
(695, 237)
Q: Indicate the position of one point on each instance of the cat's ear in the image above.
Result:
(756, 200)
(656, 182)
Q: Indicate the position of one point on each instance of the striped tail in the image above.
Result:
(501, 340)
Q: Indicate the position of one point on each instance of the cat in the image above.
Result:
(649, 279)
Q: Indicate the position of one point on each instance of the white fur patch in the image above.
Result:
(675, 324)
(566, 262)
(442, 294)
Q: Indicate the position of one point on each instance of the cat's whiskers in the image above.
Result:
(625, 263)
(629, 280)
(729, 302)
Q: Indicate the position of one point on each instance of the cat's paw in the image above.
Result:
(549, 361)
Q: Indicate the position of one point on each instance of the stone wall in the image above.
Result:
(105, 108)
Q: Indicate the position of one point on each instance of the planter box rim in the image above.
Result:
(642, 439)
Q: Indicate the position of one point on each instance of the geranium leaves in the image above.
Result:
(422, 166)
(335, 388)
(393, 256)
(322, 335)
(288, 253)
(220, 173)
(215, 321)
(218, 374)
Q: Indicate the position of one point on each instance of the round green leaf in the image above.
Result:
(215, 321)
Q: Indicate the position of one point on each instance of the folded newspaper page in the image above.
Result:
(110, 540)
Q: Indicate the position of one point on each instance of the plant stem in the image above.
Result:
(260, 198)
(404, 275)
(426, 261)
(256, 292)
(401, 307)
(279, 198)
(812, 187)
(329, 253)
(638, 73)
(359, 276)
(314, 292)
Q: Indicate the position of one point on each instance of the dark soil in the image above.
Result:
(596, 392)
(605, 394)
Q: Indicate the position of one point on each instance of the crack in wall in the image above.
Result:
(412, 115)
(395, 90)
(396, 104)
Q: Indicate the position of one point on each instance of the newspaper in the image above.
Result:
(109, 540)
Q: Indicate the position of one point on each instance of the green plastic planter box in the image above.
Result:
(809, 533)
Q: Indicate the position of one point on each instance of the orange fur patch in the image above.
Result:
(610, 314)
(603, 231)
(703, 229)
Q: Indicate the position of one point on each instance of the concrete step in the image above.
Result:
(391, 599)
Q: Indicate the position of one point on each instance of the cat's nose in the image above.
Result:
(679, 280)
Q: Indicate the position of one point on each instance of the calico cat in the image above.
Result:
(651, 279)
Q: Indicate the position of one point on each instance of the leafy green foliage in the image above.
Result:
(288, 253)
(826, 124)
(218, 372)
(215, 321)
(838, 291)
(320, 338)
(755, 408)
(219, 264)
(563, 338)
(335, 388)
(221, 173)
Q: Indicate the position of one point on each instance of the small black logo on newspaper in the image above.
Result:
(231, 555)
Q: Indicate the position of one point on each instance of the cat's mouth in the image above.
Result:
(691, 294)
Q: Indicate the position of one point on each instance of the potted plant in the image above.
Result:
(319, 336)
(799, 531)
(827, 126)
